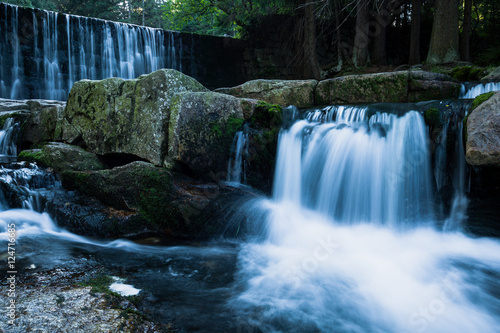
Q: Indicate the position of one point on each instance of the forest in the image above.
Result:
(344, 33)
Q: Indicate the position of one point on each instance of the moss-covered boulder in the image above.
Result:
(391, 87)
(63, 157)
(141, 197)
(125, 116)
(202, 127)
(426, 86)
(283, 92)
(483, 134)
(43, 124)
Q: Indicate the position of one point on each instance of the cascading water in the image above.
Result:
(357, 168)
(73, 48)
(478, 89)
(236, 165)
(8, 140)
(353, 243)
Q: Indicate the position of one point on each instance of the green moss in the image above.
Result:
(481, 99)
(100, 284)
(267, 115)
(432, 117)
(467, 73)
(33, 155)
(154, 199)
(227, 128)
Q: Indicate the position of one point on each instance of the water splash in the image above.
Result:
(352, 242)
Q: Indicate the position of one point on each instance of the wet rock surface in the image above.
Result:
(56, 299)
(483, 134)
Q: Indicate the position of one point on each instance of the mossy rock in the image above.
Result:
(63, 157)
(475, 104)
(282, 92)
(481, 99)
(267, 115)
(201, 130)
(432, 118)
(126, 116)
(467, 73)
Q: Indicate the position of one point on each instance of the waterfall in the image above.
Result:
(478, 89)
(73, 48)
(236, 165)
(8, 139)
(353, 243)
(354, 167)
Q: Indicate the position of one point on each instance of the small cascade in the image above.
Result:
(357, 166)
(472, 91)
(23, 185)
(72, 48)
(8, 139)
(237, 164)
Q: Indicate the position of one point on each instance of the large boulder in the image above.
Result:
(140, 197)
(390, 87)
(40, 118)
(125, 116)
(282, 92)
(202, 127)
(43, 124)
(483, 134)
(493, 76)
(13, 109)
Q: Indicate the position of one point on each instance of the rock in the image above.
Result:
(282, 92)
(63, 157)
(87, 216)
(42, 125)
(202, 127)
(483, 134)
(390, 87)
(40, 118)
(18, 110)
(493, 76)
(426, 86)
(54, 300)
(125, 116)
(140, 197)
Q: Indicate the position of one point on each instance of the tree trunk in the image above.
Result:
(379, 33)
(339, 38)
(361, 39)
(444, 38)
(466, 31)
(415, 32)
(306, 42)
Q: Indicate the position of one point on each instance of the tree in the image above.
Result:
(445, 35)
(361, 38)
(305, 36)
(466, 31)
(379, 32)
(415, 32)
